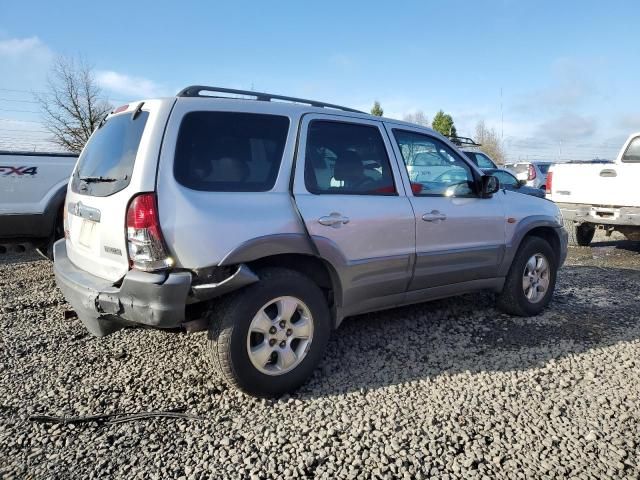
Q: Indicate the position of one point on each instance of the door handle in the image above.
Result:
(333, 220)
(434, 216)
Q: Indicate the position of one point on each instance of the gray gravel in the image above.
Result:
(450, 389)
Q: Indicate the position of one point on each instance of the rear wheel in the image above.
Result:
(580, 235)
(268, 338)
(46, 249)
(531, 279)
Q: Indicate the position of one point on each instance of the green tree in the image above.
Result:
(377, 109)
(443, 123)
(490, 142)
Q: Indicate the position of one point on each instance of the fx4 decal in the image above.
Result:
(6, 170)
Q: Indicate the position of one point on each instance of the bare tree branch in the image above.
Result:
(491, 143)
(418, 118)
(73, 106)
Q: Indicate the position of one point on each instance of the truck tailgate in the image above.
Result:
(596, 184)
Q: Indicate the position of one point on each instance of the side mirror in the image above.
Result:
(490, 185)
(522, 183)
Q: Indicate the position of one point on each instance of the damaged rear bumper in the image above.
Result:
(153, 299)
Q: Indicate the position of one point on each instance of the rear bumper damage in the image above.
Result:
(153, 299)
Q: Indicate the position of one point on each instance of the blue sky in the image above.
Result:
(569, 71)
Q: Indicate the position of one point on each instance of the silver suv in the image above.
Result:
(533, 173)
(267, 220)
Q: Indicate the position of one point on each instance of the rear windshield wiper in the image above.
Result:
(97, 179)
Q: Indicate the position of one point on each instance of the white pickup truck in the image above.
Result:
(599, 195)
(32, 191)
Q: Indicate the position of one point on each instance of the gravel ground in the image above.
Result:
(450, 389)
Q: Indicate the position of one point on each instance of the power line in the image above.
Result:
(18, 111)
(22, 130)
(31, 92)
(14, 120)
(18, 101)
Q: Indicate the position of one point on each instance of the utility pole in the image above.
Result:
(501, 118)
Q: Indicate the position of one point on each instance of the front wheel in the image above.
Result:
(531, 279)
(268, 338)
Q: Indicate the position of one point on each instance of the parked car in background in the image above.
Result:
(508, 181)
(480, 159)
(471, 149)
(534, 173)
(599, 195)
(268, 222)
(32, 191)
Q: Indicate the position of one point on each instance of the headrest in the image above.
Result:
(348, 166)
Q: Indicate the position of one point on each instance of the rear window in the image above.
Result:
(632, 153)
(544, 167)
(230, 151)
(520, 167)
(106, 163)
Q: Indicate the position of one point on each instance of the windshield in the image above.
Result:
(106, 163)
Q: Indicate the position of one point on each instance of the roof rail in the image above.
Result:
(463, 141)
(194, 91)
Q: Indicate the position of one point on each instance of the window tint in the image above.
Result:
(446, 174)
(544, 167)
(521, 168)
(482, 161)
(506, 179)
(347, 158)
(632, 153)
(110, 154)
(229, 151)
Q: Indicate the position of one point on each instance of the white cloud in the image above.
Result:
(25, 62)
(126, 85)
(629, 122)
(18, 47)
(568, 126)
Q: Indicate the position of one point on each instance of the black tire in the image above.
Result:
(580, 235)
(46, 249)
(512, 299)
(230, 320)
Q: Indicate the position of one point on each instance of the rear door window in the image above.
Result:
(106, 163)
(230, 151)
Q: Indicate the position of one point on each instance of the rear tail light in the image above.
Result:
(532, 172)
(146, 246)
(549, 182)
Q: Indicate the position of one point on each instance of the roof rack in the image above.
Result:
(463, 141)
(194, 91)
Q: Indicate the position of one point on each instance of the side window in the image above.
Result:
(506, 179)
(446, 174)
(483, 161)
(229, 151)
(346, 158)
(632, 153)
